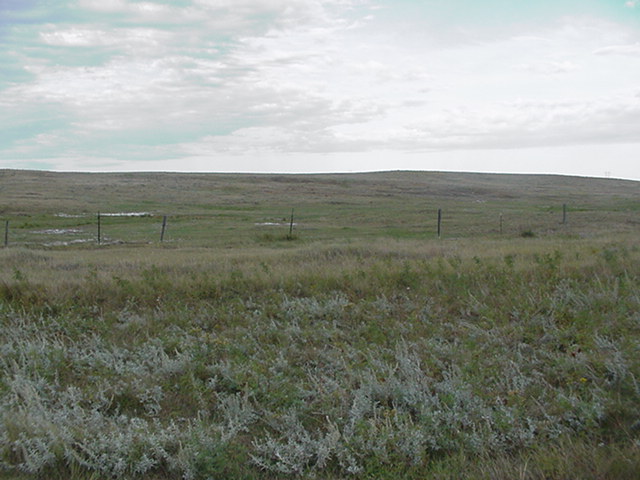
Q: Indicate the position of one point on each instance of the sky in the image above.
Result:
(511, 86)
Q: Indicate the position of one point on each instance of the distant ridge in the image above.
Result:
(34, 190)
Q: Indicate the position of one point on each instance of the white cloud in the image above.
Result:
(230, 16)
(143, 9)
(312, 77)
(633, 50)
(76, 37)
(298, 90)
(548, 67)
(104, 5)
(522, 124)
(125, 38)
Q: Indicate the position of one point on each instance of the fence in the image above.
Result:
(105, 228)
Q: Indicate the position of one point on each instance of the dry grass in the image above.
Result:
(372, 352)
(228, 210)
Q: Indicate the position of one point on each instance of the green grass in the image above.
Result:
(361, 348)
(227, 210)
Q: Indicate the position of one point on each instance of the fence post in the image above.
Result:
(501, 222)
(564, 213)
(439, 221)
(6, 233)
(164, 226)
(291, 226)
(99, 232)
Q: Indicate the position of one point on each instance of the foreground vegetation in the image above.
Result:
(346, 361)
(365, 357)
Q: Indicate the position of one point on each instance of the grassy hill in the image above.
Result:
(225, 209)
(361, 347)
(36, 192)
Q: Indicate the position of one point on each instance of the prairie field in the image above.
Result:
(345, 340)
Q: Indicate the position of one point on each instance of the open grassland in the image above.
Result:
(49, 209)
(363, 348)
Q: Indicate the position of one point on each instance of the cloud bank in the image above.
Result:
(214, 84)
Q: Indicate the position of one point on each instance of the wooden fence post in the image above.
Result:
(291, 226)
(564, 213)
(439, 222)
(501, 222)
(6, 233)
(164, 226)
(99, 230)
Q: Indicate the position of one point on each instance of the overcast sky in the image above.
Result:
(549, 86)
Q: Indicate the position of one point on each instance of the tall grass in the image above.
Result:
(370, 360)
